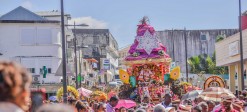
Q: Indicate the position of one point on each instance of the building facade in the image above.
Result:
(123, 52)
(33, 41)
(198, 42)
(102, 47)
(228, 54)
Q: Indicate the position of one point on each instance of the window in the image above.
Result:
(96, 40)
(203, 37)
(31, 70)
(34, 35)
(244, 74)
(49, 70)
(41, 70)
(28, 36)
(236, 75)
(90, 75)
(29, 63)
(44, 36)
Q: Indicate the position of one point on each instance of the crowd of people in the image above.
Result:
(15, 84)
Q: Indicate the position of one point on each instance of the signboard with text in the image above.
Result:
(234, 48)
(106, 64)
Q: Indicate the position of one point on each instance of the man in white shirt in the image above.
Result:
(167, 100)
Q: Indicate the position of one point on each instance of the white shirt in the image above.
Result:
(163, 103)
(9, 107)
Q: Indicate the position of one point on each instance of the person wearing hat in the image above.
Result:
(204, 106)
(197, 109)
(238, 105)
(226, 105)
(167, 100)
(170, 109)
(184, 108)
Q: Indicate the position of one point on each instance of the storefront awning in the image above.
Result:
(92, 60)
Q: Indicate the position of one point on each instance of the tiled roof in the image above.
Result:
(22, 14)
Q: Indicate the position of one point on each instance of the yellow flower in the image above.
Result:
(70, 89)
(175, 73)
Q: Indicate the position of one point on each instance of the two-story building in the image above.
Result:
(33, 41)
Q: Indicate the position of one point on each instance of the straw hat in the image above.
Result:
(169, 108)
(226, 99)
(184, 108)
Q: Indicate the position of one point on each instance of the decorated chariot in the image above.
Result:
(148, 65)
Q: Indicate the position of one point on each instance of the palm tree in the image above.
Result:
(206, 64)
(194, 63)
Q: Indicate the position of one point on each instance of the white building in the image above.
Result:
(32, 40)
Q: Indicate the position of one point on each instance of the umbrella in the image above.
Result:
(191, 95)
(52, 98)
(126, 103)
(215, 93)
(84, 92)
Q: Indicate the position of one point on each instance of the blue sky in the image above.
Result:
(122, 16)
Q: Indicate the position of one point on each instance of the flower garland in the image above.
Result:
(70, 89)
(99, 96)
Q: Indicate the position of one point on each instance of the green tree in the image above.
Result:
(194, 63)
(219, 38)
(206, 64)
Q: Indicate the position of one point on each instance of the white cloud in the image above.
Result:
(27, 4)
(92, 22)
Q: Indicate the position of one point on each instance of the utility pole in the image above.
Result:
(75, 43)
(63, 54)
(186, 64)
(80, 60)
(241, 47)
(75, 49)
(80, 68)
